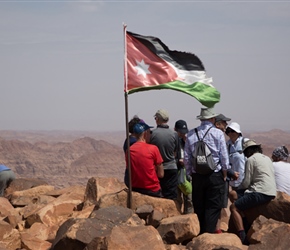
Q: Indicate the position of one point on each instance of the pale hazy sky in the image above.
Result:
(62, 61)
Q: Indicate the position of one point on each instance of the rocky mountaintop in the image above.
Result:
(36, 216)
(65, 158)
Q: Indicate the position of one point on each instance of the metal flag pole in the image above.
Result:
(129, 197)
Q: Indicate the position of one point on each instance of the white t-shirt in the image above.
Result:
(282, 176)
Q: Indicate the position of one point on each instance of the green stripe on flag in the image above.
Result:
(205, 94)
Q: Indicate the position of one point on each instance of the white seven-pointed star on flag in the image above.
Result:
(142, 68)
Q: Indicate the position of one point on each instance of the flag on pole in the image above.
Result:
(151, 65)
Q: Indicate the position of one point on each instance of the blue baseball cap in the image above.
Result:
(141, 127)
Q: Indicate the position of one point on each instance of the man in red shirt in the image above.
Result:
(146, 163)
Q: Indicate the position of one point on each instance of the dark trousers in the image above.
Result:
(207, 198)
(169, 184)
(148, 192)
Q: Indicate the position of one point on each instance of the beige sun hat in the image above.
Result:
(206, 113)
(163, 114)
(249, 143)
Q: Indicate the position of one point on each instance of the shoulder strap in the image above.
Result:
(204, 134)
(239, 151)
(242, 142)
(197, 133)
(207, 132)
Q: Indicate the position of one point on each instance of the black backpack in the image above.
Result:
(203, 162)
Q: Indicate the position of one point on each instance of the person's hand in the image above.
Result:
(181, 162)
(236, 175)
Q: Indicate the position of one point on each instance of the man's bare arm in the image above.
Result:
(160, 170)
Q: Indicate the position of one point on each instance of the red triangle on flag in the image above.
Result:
(146, 69)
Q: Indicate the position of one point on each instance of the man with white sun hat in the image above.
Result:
(235, 149)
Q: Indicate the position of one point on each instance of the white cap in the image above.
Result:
(235, 126)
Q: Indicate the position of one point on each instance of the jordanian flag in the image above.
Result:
(151, 65)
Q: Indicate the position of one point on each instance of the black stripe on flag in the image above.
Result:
(181, 60)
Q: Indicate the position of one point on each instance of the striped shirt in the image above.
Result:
(215, 141)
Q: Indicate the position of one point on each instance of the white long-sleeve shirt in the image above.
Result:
(259, 175)
(282, 176)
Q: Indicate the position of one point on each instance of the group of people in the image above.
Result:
(157, 155)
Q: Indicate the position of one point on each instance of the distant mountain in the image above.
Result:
(63, 163)
(54, 136)
(64, 158)
(270, 139)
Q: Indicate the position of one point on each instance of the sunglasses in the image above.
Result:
(228, 130)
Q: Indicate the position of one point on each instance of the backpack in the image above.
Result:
(203, 162)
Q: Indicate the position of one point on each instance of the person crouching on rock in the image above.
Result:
(258, 186)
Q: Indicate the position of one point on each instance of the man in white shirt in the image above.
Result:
(282, 169)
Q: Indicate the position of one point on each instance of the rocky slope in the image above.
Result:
(36, 216)
(63, 163)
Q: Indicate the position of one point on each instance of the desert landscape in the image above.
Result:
(66, 158)
(63, 158)
(70, 194)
